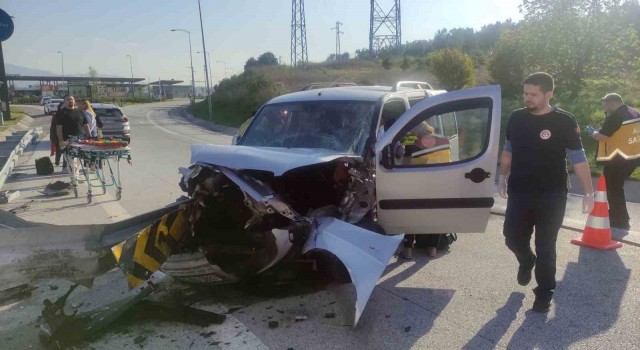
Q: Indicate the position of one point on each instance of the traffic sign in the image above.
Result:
(6, 25)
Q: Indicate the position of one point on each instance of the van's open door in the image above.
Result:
(440, 194)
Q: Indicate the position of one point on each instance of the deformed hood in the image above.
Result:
(273, 159)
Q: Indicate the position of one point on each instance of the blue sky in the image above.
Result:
(102, 33)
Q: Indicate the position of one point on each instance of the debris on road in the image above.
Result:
(8, 196)
(58, 188)
(22, 208)
(17, 293)
(330, 315)
(273, 324)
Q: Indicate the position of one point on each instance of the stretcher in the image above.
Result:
(100, 153)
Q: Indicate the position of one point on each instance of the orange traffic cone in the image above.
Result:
(597, 232)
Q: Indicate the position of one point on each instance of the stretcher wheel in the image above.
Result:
(118, 195)
(104, 189)
(75, 191)
(89, 197)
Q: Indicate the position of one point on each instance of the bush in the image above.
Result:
(386, 63)
(453, 68)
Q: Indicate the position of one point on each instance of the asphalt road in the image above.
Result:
(466, 298)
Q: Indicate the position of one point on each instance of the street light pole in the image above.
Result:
(225, 67)
(131, 82)
(206, 69)
(62, 65)
(193, 78)
(210, 77)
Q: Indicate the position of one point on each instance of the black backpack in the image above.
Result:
(44, 166)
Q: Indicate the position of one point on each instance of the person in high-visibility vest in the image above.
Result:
(619, 167)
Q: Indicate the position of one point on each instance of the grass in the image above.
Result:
(16, 115)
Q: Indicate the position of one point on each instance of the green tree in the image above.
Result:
(453, 68)
(507, 63)
(406, 63)
(386, 63)
(267, 59)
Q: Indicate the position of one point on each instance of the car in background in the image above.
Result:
(114, 122)
(51, 106)
(44, 100)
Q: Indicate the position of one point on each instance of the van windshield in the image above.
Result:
(341, 126)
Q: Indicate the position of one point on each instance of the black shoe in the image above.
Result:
(541, 306)
(524, 273)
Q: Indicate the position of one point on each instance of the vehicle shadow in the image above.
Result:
(587, 303)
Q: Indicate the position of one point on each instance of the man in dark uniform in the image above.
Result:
(70, 121)
(533, 165)
(617, 170)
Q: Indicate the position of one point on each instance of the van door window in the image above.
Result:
(391, 111)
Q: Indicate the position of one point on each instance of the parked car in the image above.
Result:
(115, 123)
(51, 105)
(44, 100)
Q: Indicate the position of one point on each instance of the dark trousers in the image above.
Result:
(543, 211)
(616, 172)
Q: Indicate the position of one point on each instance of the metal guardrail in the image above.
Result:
(13, 157)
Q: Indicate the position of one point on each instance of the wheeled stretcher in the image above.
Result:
(100, 153)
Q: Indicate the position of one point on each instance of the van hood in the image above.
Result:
(273, 159)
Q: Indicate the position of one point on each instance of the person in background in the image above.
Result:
(70, 121)
(617, 170)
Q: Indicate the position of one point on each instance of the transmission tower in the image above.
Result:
(338, 32)
(299, 55)
(384, 29)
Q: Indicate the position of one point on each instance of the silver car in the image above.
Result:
(114, 122)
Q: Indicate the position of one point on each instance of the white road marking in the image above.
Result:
(158, 126)
(5, 226)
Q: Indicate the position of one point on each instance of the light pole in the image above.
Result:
(131, 83)
(206, 69)
(210, 77)
(193, 82)
(62, 53)
(225, 67)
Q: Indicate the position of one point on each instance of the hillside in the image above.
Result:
(236, 98)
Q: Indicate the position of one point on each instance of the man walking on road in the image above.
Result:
(618, 169)
(70, 121)
(533, 176)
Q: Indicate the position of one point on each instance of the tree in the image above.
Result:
(507, 63)
(405, 63)
(453, 68)
(386, 63)
(251, 62)
(93, 74)
(267, 59)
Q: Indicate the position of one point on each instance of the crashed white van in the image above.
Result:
(335, 176)
(340, 173)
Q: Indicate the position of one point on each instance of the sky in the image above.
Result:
(102, 33)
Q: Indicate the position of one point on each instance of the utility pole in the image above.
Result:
(131, 82)
(338, 32)
(62, 64)
(210, 77)
(206, 65)
(193, 79)
(299, 53)
(385, 28)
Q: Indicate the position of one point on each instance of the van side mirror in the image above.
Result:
(387, 157)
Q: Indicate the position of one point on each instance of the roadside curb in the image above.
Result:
(227, 130)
